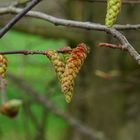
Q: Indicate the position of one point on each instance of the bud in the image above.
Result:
(113, 9)
(72, 68)
(11, 108)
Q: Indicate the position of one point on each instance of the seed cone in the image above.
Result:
(113, 9)
(57, 62)
(73, 65)
(11, 108)
(3, 66)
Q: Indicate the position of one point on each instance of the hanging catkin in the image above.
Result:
(73, 65)
(113, 9)
(3, 66)
(57, 62)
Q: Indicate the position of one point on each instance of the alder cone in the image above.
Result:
(3, 66)
(11, 108)
(57, 62)
(73, 65)
(113, 9)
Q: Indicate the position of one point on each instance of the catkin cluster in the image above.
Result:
(3, 66)
(68, 68)
(73, 65)
(113, 9)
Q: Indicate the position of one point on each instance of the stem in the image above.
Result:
(31, 52)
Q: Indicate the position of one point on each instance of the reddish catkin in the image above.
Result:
(73, 65)
(3, 66)
(57, 62)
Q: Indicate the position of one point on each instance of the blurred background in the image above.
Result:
(107, 91)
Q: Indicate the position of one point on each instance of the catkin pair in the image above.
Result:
(113, 9)
(67, 70)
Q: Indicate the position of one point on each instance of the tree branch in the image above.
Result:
(49, 105)
(113, 46)
(65, 22)
(14, 20)
(31, 52)
(84, 25)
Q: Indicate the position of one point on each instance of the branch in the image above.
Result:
(113, 46)
(31, 52)
(83, 25)
(64, 22)
(14, 20)
(49, 105)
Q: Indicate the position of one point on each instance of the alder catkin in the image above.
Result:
(57, 62)
(113, 9)
(3, 66)
(73, 65)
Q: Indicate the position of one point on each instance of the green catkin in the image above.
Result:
(57, 62)
(113, 9)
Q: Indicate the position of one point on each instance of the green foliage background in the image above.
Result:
(37, 71)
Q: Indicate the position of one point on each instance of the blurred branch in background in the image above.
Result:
(39, 126)
(40, 98)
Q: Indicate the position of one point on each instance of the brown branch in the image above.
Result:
(113, 46)
(93, 134)
(15, 19)
(24, 52)
(130, 50)
(31, 52)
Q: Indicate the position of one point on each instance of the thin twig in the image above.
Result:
(129, 49)
(14, 20)
(113, 46)
(20, 2)
(31, 52)
(24, 52)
